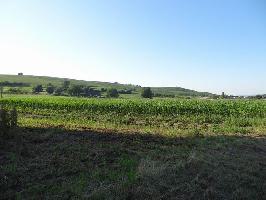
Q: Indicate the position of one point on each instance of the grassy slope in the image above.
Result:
(34, 80)
(44, 80)
(178, 91)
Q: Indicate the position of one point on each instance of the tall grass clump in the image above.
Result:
(8, 121)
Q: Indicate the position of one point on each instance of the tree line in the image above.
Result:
(67, 89)
(13, 84)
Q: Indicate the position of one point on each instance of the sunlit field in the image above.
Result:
(133, 148)
(166, 117)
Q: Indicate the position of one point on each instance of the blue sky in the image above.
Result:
(206, 45)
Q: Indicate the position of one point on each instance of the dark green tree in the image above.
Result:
(37, 89)
(147, 93)
(112, 93)
(75, 90)
(88, 91)
(259, 97)
(50, 88)
(223, 95)
(66, 84)
(103, 89)
(58, 91)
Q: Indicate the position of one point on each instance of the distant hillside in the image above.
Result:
(44, 80)
(178, 91)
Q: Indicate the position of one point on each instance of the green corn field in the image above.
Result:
(249, 108)
(138, 114)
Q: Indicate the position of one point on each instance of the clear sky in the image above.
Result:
(206, 45)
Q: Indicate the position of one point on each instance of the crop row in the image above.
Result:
(166, 107)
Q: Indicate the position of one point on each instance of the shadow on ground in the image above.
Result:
(62, 164)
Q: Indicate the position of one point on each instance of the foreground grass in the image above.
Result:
(56, 163)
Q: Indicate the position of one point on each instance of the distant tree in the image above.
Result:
(147, 93)
(14, 84)
(75, 90)
(66, 84)
(50, 88)
(103, 89)
(15, 91)
(90, 92)
(58, 91)
(125, 91)
(259, 96)
(37, 89)
(215, 96)
(112, 93)
(223, 95)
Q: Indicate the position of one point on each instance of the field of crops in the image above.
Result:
(136, 114)
(150, 107)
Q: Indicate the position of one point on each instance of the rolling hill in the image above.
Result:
(44, 80)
